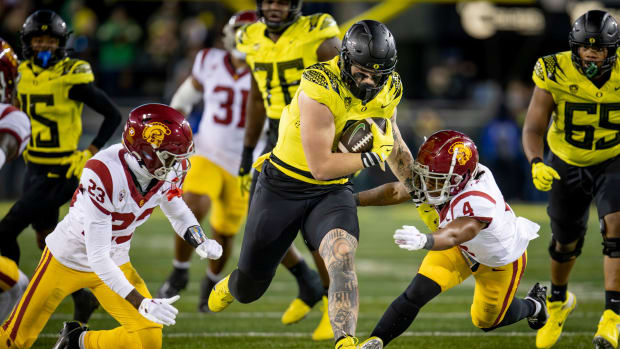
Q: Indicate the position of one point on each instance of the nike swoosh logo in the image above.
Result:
(497, 269)
(385, 106)
(560, 324)
(615, 300)
(616, 88)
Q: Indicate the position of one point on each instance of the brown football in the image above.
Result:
(357, 137)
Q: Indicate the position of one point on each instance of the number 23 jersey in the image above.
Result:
(586, 123)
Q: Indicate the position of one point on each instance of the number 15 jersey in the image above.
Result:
(586, 123)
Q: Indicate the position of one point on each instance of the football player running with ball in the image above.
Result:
(119, 189)
(222, 79)
(278, 48)
(304, 184)
(580, 89)
(14, 135)
(476, 233)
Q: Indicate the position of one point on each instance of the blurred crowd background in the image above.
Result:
(465, 65)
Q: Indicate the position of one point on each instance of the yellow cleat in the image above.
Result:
(324, 330)
(295, 312)
(558, 312)
(606, 336)
(347, 343)
(373, 342)
(220, 297)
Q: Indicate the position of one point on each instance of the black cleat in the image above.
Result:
(85, 304)
(69, 336)
(206, 285)
(538, 294)
(176, 282)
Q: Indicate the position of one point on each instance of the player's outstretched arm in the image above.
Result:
(456, 232)
(387, 194)
(534, 129)
(188, 94)
(401, 160)
(317, 136)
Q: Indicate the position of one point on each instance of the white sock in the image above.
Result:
(536, 304)
(212, 276)
(82, 345)
(181, 265)
(2, 158)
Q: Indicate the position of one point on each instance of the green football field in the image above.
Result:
(383, 271)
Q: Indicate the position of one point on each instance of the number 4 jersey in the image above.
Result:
(586, 123)
(105, 210)
(225, 93)
(506, 236)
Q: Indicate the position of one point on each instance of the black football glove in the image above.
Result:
(245, 170)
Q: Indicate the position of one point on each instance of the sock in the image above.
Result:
(612, 301)
(396, 319)
(519, 309)
(558, 293)
(213, 277)
(309, 282)
(81, 340)
(181, 265)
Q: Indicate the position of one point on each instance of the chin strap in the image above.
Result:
(174, 190)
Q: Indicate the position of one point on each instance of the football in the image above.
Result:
(357, 137)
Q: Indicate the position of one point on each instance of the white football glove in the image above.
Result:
(159, 310)
(209, 249)
(410, 238)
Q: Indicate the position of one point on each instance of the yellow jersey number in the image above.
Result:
(29, 107)
(281, 67)
(588, 130)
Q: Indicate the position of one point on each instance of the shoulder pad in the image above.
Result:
(552, 67)
(333, 79)
(396, 86)
(316, 77)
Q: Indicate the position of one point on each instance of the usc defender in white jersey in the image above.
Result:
(476, 233)
(119, 188)
(221, 79)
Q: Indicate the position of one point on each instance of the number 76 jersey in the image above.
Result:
(586, 121)
(225, 94)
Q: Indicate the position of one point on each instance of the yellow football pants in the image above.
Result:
(52, 282)
(9, 273)
(228, 205)
(495, 286)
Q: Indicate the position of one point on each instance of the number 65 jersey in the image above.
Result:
(506, 236)
(106, 209)
(586, 121)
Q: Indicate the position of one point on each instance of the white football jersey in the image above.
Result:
(108, 203)
(225, 95)
(16, 123)
(505, 238)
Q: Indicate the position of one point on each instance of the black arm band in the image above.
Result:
(535, 160)
(194, 236)
(99, 101)
(430, 242)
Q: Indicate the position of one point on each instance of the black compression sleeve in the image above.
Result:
(95, 98)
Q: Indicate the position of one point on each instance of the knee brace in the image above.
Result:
(245, 288)
(611, 246)
(150, 338)
(563, 257)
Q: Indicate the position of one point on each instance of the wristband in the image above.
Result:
(370, 159)
(194, 236)
(430, 242)
(535, 160)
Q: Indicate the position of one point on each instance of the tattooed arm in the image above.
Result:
(401, 160)
(338, 251)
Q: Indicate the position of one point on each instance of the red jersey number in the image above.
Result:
(227, 119)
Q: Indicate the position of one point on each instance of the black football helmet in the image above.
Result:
(44, 22)
(370, 45)
(277, 27)
(599, 29)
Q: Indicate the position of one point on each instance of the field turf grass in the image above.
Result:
(383, 271)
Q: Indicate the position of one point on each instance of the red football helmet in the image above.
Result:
(235, 22)
(160, 138)
(446, 162)
(8, 72)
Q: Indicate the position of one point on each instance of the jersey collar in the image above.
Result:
(135, 192)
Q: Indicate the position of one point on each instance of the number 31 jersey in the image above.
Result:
(586, 123)
(225, 94)
(506, 236)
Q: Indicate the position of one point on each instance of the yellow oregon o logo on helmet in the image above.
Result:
(44, 27)
(375, 66)
(592, 40)
(155, 132)
(463, 153)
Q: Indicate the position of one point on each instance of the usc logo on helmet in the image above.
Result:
(463, 153)
(154, 133)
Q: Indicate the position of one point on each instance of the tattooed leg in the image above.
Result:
(338, 252)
